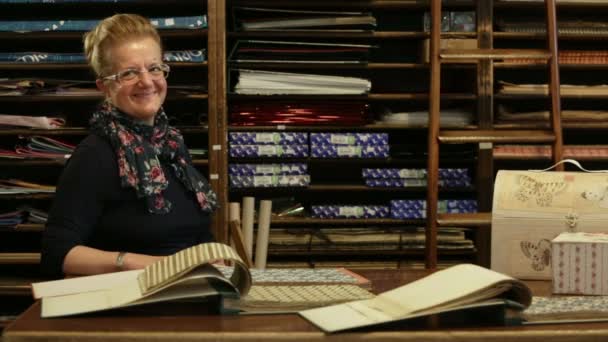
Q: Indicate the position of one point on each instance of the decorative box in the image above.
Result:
(268, 138)
(349, 138)
(349, 211)
(580, 263)
(269, 181)
(267, 169)
(416, 209)
(531, 208)
(352, 151)
(414, 182)
(285, 151)
(448, 173)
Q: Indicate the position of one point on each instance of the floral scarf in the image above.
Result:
(141, 148)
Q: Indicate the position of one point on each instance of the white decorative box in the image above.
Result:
(580, 263)
(531, 208)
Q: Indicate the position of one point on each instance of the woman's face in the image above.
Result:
(143, 98)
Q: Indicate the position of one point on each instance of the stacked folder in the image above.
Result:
(40, 147)
(262, 82)
(308, 113)
(256, 18)
(265, 51)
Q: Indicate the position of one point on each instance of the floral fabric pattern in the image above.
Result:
(141, 148)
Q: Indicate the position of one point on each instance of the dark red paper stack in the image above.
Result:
(308, 114)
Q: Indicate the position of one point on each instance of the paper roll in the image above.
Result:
(235, 211)
(247, 223)
(261, 245)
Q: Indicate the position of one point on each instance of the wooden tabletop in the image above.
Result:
(204, 327)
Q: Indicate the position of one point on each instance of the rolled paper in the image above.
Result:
(261, 245)
(247, 223)
(235, 211)
(234, 214)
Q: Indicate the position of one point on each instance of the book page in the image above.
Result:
(82, 284)
(446, 286)
(84, 302)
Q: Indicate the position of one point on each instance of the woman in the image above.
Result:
(129, 194)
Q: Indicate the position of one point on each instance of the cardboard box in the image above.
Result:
(580, 263)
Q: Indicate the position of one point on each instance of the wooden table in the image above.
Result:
(30, 327)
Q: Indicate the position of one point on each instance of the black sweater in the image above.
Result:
(91, 208)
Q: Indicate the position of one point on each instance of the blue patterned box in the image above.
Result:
(349, 211)
(413, 209)
(349, 138)
(268, 138)
(269, 181)
(284, 151)
(414, 182)
(342, 151)
(267, 169)
(447, 173)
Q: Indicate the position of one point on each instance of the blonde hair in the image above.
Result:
(113, 30)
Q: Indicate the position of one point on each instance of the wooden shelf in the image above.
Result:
(565, 125)
(379, 4)
(345, 34)
(346, 66)
(372, 127)
(299, 221)
(496, 136)
(66, 35)
(90, 98)
(82, 66)
(559, 3)
(491, 54)
(19, 258)
(368, 97)
(539, 65)
(51, 132)
(25, 227)
(17, 286)
(28, 197)
(465, 220)
(359, 252)
(543, 36)
(346, 188)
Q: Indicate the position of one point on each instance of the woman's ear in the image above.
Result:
(101, 86)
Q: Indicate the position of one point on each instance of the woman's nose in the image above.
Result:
(145, 78)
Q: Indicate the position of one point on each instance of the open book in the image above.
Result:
(461, 287)
(185, 274)
(190, 276)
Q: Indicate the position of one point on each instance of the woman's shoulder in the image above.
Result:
(93, 151)
(95, 144)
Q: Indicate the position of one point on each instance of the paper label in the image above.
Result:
(351, 211)
(348, 150)
(342, 139)
(262, 180)
(267, 150)
(264, 137)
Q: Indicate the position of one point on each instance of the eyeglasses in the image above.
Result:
(132, 75)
